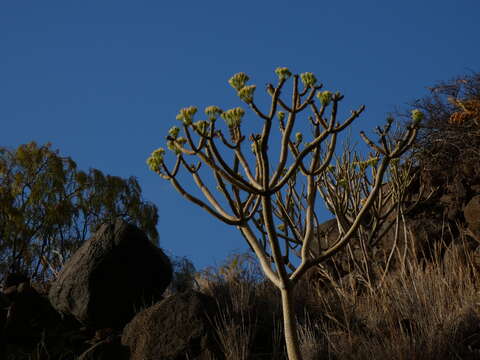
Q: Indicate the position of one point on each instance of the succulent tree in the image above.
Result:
(259, 191)
(344, 188)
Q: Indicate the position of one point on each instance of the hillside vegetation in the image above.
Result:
(405, 287)
(414, 295)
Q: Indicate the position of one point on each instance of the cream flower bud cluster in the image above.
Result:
(156, 159)
(308, 79)
(186, 115)
(233, 117)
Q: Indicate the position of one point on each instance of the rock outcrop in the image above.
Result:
(472, 216)
(177, 328)
(111, 276)
(106, 350)
(436, 213)
(28, 319)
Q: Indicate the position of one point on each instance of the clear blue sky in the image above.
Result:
(103, 80)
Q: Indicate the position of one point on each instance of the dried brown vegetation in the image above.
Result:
(418, 312)
(448, 143)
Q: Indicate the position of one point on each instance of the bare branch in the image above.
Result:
(202, 204)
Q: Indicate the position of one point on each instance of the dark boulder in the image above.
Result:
(15, 278)
(177, 328)
(113, 274)
(4, 307)
(29, 317)
(472, 216)
(106, 350)
(4, 301)
(29, 324)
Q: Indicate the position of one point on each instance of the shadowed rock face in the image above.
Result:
(28, 319)
(177, 328)
(114, 273)
(434, 210)
(472, 216)
(106, 351)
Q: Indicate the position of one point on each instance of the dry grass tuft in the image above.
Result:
(422, 311)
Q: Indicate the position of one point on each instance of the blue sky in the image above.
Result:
(103, 80)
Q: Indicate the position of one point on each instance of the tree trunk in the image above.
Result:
(290, 325)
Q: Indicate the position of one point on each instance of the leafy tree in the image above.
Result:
(48, 208)
(258, 191)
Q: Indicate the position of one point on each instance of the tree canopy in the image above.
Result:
(48, 208)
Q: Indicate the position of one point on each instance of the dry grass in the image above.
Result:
(423, 311)
(235, 335)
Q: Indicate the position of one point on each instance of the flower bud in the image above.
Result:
(213, 112)
(174, 131)
(298, 137)
(155, 159)
(283, 73)
(174, 145)
(238, 80)
(325, 97)
(308, 79)
(171, 145)
(417, 116)
(200, 126)
(181, 140)
(246, 93)
(281, 115)
(186, 115)
(233, 117)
